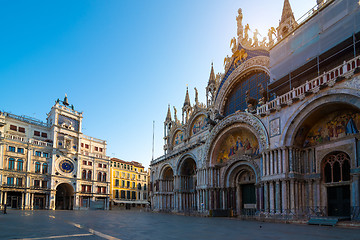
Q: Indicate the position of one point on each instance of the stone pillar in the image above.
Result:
(292, 196)
(355, 191)
(263, 164)
(277, 194)
(32, 201)
(285, 160)
(23, 201)
(266, 197)
(276, 166)
(271, 196)
(291, 160)
(1, 199)
(279, 160)
(284, 196)
(238, 199)
(5, 198)
(224, 199)
(271, 159)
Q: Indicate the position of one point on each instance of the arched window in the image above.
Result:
(336, 168)
(37, 167)
(99, 176)
(45, 168)
(83, 174)
(104, 177)
(89, 175)
(236, 99)
(11, 163)
(20, 164)
(139, 186)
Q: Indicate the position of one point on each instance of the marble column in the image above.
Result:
(271, 196)
(284, 196)
(277, 198)
(292, 196)
(266, 196)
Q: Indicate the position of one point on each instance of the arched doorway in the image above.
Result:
(64, 197)
(246, 192)
(336, 177)
(188, 185)
(167, 189)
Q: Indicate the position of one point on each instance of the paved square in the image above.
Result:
(130, 225)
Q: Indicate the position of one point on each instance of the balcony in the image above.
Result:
(6, 185)
(27, 140)
(327, 79)
(39, 188)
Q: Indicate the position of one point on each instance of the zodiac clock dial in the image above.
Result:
(66, 166)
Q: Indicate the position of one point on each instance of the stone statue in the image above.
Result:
(255, 38)
(271, 32)
(263, 42)
(233, 44)
(239, 19)
(196, 96)
(251, 102)
(175, 114)
(263, 94)
(247, 28)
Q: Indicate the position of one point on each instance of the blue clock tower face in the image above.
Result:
(66, 166)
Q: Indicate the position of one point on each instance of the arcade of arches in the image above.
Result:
(64, 197)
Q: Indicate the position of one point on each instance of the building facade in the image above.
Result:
(129, 184)
(52, 165)
(279, 134)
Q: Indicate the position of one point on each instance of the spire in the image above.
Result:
(168, 116)
(212, 75)
(287, 22)
(187, 98)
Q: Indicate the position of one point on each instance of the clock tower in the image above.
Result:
(66, 133)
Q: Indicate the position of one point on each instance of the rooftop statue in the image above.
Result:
(239, 19)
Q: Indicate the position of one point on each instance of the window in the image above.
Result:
(96, 149)
(89, 175)
(45, 168)
(100, 149)
(11, 163)
(117, 182)
(36, 183)
(83, 174)
(21, 129)
(236, 100)
(44, 184)
(144, 186)
(13, 127)
(336, 168)
(127, 194)
(11, 149)
(104, 190)
(84, 163)
(139, 195)
(37, 167)
(104, 166)
(122, 183)
(20, 164)
(133, 195)
(87, 146)
(37, 153)
(83, 188)
(44, 135)
(20, 150)
(10, 181)
(122, 194)
(104, 177)
(45, 155)
(117, 174)
(116, 193)
(88, 188)
(98, 189)
(99, 176)
(144, 196)
(82, 144)
(90, 163)
(127, 184)
(133, 184)
(37, 133)
(139, 186)
(100, 165)
(19, 182)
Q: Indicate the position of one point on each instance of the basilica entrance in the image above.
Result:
(338, 201)
(64, 197)
(246, 192)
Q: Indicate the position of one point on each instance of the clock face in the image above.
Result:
(66, 166)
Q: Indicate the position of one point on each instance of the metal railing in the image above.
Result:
(313, 86)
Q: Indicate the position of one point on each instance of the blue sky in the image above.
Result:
(121, 62)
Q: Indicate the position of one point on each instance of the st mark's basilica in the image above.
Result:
(279, 133)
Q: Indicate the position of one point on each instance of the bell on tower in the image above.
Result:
(211, 88)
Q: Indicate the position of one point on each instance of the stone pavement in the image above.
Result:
(130, 225)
